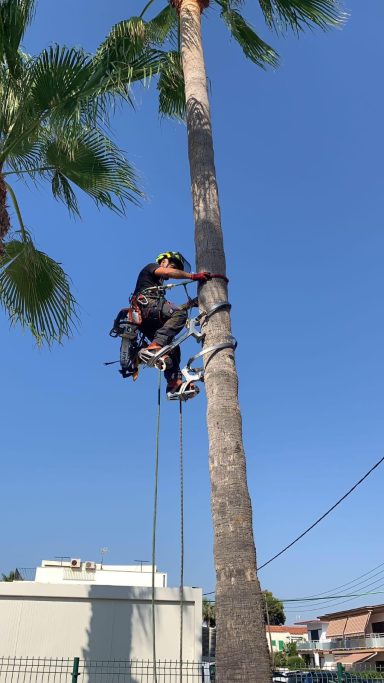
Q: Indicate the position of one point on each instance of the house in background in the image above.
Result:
(279, 636)
(354, 638)
(93, 611)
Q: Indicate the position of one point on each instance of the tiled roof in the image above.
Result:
(295, 630)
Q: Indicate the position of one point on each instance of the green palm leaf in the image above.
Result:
(252, 45)
(35, 292)
(164, 26)
(297, 14)
(57, 78)
(95, 165)
(171, 86)
(126, 55)
(15, 15)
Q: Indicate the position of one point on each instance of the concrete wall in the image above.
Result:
(111, 575)
(97, 622)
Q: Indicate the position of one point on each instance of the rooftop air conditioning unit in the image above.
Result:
(75, 564)
(90, 566)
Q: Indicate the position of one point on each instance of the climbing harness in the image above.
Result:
(134, 346)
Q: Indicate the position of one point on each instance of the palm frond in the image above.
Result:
(125, 40)
(126, 55)
(35, 292)
(95, 165)
(252, 45)
(163, 26)
(25, 157)
(62, 190)
(57, 77)
(298, 14)
(171, 86)
(15, 15)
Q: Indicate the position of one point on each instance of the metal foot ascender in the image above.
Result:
(158, 360)
(184, 392)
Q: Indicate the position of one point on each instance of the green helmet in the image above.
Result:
(177, 257)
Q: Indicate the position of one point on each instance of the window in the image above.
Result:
(315, 634)
(378, 627)
(281, 645)
(379, 665)
(273, 642)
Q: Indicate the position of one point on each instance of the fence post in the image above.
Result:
(75, 669)
(340, 673)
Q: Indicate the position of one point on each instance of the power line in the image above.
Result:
(332, 597)
(316, 599)
(327, 597)
(315, 595)
(322, 516)
(343, 585)
(342, 602)
(317, 522)
(316, 603)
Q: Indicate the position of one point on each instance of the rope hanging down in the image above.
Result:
(181, 537)
(154, 528)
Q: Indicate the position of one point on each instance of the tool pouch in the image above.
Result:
(127, 322)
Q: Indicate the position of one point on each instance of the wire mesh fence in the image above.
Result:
(35, 670)
(44, 670)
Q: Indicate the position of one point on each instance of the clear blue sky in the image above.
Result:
(299, 158)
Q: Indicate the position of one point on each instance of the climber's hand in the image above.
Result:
(201, 277)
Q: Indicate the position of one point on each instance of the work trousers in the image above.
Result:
(162, 321)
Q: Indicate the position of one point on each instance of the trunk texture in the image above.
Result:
(5, 222)
(242, 650)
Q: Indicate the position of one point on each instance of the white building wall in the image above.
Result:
(111, 575)
(97, 622)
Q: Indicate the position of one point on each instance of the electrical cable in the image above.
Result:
(338, 595)
(332, 590)
(342, 602)
(322, 516)
(317, 521)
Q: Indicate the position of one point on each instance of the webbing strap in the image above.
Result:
(216, 347)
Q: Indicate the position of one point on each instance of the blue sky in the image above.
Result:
(299, 159)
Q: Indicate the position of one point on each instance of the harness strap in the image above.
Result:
(216, 347)
(219, 276)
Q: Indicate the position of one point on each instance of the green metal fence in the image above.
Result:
(44, 670)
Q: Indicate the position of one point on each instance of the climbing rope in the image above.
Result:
(181, 536)
(154, 529)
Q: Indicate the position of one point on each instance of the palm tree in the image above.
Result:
(242, 652)
(209, 614)
(53, 114)
(12, 576)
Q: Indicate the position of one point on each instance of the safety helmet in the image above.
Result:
(177, 257)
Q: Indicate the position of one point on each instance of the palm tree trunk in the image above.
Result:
(5, 222)
(241, 651)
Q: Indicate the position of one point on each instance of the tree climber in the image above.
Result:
(161, 319)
